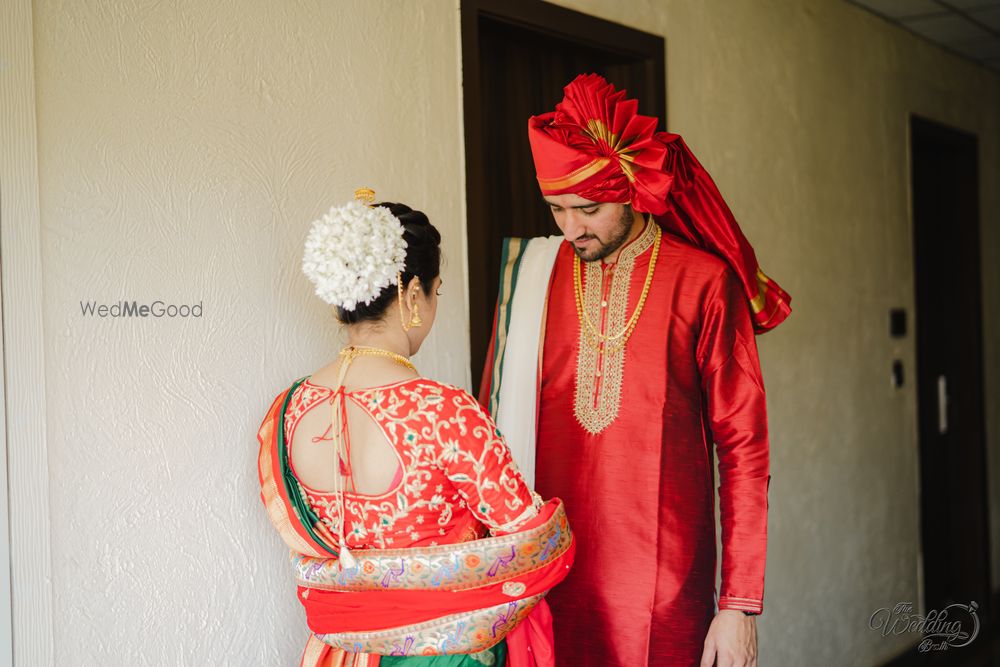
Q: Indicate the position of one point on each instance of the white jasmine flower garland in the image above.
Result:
(353, 253)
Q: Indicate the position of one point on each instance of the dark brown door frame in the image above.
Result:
(553, 21)
(954, 505)
(954, 498)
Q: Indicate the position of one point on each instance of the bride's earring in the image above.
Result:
(415, 320)
(399, 300)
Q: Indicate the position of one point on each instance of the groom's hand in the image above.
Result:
(731, 640)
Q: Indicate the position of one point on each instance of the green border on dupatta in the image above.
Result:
(510, 264)
(307, 517)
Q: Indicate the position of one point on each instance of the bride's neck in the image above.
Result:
(394, 341)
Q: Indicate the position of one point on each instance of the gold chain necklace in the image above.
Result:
(629, 327)
(353, 351)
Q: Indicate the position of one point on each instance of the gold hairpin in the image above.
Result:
(366, 195)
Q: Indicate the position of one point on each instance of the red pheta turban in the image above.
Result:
(597, 146)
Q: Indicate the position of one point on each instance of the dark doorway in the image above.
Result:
(954, 509)
(517, 55)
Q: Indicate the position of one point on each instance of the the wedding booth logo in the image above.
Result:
(954, 626)
(136, 309)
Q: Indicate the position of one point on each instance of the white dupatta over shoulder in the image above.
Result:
(526, 269)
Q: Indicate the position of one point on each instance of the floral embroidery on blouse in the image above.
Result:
(459, 479)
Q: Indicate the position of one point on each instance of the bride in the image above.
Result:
(414, 538)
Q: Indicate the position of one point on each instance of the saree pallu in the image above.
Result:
(449, 599)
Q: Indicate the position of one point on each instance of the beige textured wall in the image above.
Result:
(184, 147)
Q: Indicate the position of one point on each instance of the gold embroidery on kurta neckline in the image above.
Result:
(600, 366)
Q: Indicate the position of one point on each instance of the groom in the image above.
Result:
(621, 351)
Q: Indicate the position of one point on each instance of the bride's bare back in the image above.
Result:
(374, 461)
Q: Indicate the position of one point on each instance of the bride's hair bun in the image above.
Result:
(353, 252)
(356, 252)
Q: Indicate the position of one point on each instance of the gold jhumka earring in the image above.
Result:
(414, 319)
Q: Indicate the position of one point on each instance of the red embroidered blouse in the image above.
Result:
(458, 479)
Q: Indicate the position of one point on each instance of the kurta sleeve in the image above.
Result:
(478, 462)
(733, 390)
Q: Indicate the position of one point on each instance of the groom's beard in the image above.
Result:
(617, 240)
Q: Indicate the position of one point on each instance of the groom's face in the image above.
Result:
(595, 229)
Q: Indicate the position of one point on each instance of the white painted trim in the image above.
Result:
(27, 470)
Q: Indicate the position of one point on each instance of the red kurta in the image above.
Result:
(640, 493)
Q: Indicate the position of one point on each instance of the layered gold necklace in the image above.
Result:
(596, 338)
(600, 362)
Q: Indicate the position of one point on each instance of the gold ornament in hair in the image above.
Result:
(366, 195)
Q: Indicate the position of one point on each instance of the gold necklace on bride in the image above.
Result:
(351, 352)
